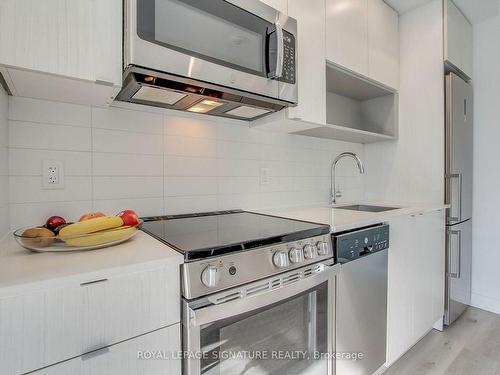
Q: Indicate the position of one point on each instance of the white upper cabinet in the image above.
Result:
(363, 36)
(383, 43)
(311, 60)
(281, 5)
(457, 38)
(347, 34)
(62, 40)
(311, 71)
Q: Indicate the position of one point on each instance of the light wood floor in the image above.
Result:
(471, 346)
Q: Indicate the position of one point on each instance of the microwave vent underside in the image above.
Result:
(159, 91)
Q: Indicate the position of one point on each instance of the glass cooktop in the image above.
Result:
(199, 236)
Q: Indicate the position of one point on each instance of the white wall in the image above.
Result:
(161, 162)
(4, 163)
(486, 219)
(411, 170)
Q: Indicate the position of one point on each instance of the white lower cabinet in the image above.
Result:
(44, 327)
(154, 353)
(416, 279)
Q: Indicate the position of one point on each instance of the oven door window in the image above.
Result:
(213, 30)
(279, 339)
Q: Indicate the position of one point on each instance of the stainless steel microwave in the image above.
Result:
(230, 58)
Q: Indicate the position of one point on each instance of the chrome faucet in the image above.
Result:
(334, 194)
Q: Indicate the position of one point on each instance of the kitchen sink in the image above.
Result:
(367, 208)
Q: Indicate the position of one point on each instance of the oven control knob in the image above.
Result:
(310, 252)
(322, 247)
(210, 276)
(296, 255)
(280, 259)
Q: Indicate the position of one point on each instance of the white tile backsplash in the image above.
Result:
(117, 141)
(48, 137)
(195, 203)
(190, 146)
(28, 214)
(237, 167)
(186, 186)
(128, 187)
(4, 191)
(146, 206)
(124, 119)
(4, 220)
(42, 111)
(189, 127)
(238, 150)
(28, 189)
(239, 185)
(159, 162)
(28, 162)
(106, 164)
(177, 166)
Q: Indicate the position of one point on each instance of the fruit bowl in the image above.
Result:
(89, 241)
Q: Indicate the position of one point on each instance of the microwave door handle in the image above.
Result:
(280, 52)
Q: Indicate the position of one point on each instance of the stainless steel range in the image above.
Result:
(258, 292)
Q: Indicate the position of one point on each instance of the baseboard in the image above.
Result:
(485, 303)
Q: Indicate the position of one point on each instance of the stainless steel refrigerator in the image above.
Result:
(459, 168)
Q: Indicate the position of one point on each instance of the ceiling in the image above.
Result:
(475, 10)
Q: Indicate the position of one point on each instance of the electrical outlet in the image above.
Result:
(53, 174)
(264, 176)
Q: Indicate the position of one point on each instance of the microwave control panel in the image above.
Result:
(289, 66)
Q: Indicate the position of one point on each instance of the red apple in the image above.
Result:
(91, 215)
(53, 222)
(129, 217)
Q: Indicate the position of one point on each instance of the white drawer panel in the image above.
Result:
(49, 326)
(126, 358)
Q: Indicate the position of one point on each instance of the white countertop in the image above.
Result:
(22, 268)
(341, 220)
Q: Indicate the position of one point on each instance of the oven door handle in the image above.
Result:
(240, 305)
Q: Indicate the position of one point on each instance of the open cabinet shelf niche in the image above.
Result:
(357, 109)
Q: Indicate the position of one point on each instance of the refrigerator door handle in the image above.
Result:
(459, 177)
(457, 274)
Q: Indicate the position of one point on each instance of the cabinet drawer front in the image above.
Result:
(130, 357)
(49, 326)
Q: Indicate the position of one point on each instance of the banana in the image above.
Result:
(90, 226)
(101, 238)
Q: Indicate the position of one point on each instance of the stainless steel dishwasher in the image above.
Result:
(361, 293)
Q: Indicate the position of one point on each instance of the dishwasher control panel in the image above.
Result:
(348, 246)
